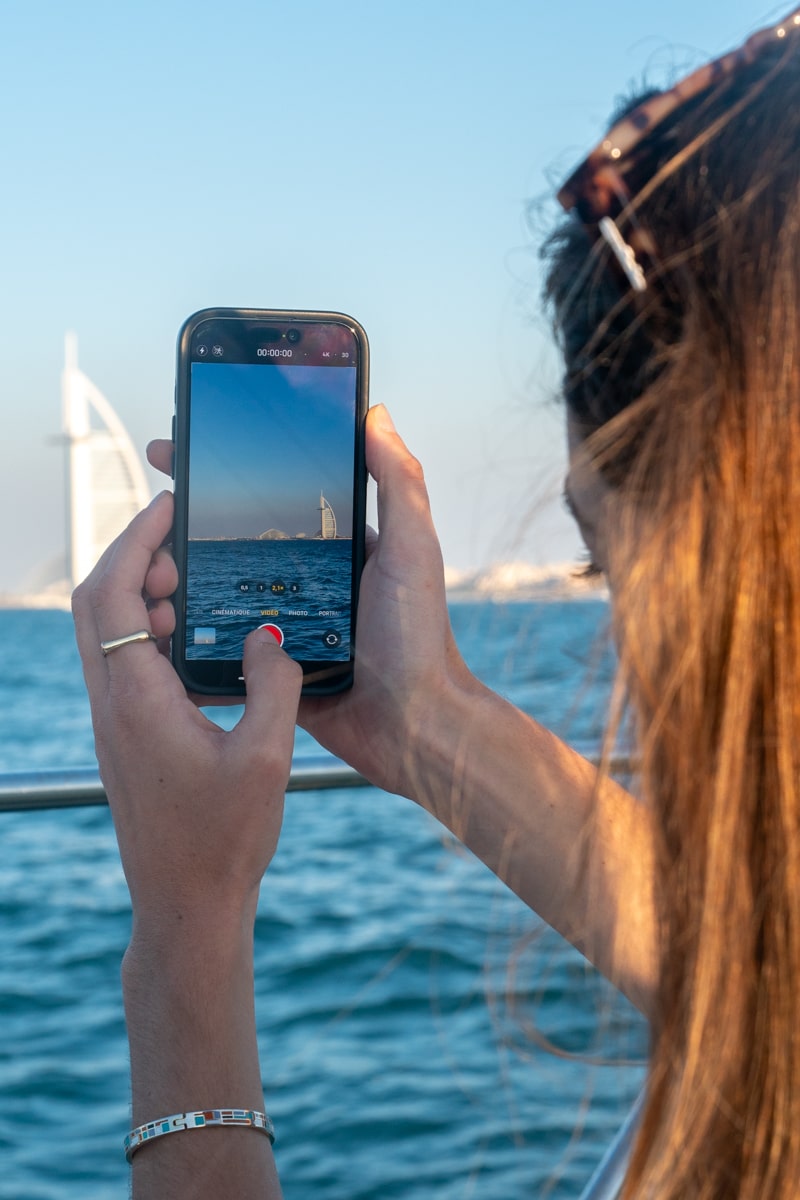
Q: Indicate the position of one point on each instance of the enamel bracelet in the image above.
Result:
(180, 1122)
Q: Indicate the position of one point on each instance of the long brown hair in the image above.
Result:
(693, 392)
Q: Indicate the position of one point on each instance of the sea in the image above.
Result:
(303, 584)
(423, 1036)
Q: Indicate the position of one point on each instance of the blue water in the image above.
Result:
(422, 1036)
(304, 586)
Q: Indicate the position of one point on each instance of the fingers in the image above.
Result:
(388, 457)
(162, 618)
(370, 541)
(162, 575)
(160, 583)
(402, 496)
(110, 603)
(118, 588)
(273, 682)
(159, 455)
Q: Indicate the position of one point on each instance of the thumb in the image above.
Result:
(273, 682)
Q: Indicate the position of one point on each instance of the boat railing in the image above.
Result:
(76, 787)
(606, 1182)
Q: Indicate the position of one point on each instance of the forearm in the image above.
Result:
(576, 849)
(418, 723)
(191, 1026)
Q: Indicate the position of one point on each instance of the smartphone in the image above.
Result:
(270, 492)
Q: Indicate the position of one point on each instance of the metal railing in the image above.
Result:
(29, 791)
(74, 787)
(606, 1183)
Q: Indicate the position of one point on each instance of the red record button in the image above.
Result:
(276, 632)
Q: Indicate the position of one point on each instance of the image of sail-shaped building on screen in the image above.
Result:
(106, 483)
(327, 519)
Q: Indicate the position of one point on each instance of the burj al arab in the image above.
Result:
(105, 480)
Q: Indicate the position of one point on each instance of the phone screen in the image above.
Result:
(269, 420)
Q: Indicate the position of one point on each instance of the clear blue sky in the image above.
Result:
(265, 441)
(371, 157)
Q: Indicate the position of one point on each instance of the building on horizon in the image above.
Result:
(105, 480)
(327, 520)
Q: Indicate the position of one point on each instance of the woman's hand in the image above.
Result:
(407, 664)
(197, 813)
(417, 722)
(197, 810)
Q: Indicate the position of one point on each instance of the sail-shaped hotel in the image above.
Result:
(327, 520)
(106, 483)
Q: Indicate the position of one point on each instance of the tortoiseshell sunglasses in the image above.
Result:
(598, 189)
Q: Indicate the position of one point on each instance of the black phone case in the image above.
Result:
(342, 676)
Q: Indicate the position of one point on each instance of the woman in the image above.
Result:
(676, 297)
(683, 393)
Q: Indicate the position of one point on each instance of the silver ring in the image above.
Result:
(141, 635)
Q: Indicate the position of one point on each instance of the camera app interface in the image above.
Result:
(271, 446)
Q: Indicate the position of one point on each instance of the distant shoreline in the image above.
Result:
(524, 581)
(43, 601)
(500, 583)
